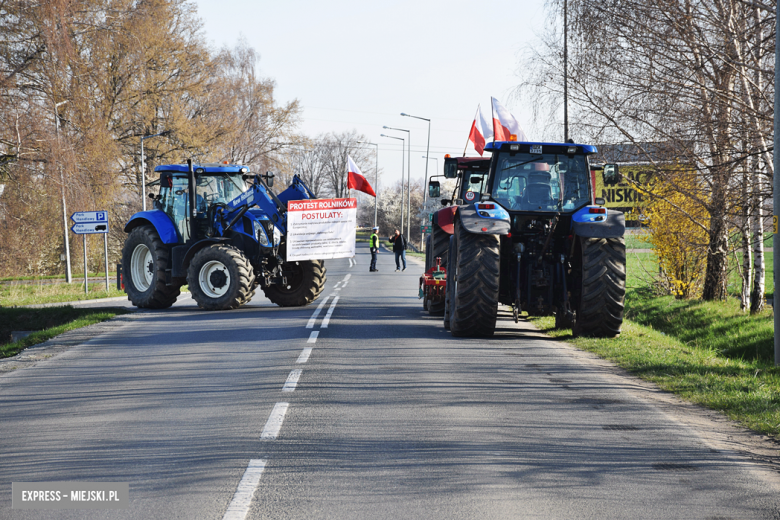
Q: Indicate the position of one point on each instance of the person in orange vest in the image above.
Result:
(373, 245)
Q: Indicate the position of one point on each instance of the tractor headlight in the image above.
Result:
(260, 233)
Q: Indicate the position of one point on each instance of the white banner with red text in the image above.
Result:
(321, 229)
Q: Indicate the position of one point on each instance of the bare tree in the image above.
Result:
(696, 78)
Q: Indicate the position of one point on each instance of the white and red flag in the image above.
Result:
(356, 180)
(505, 124)
(481, 131)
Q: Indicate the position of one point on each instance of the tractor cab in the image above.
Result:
(215, 185)
(543, 177)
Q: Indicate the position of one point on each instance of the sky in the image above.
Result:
(356, 65)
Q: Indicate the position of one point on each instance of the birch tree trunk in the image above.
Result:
(747, 250)
(759, 280)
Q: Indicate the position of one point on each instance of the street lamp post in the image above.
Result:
(68, 276)
(403, 149)
(427, 150)
(408, 182)
(143, 167)
(376, 178)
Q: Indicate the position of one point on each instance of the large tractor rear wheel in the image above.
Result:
(448, 291)
(305, 282)
(475, 305)
(144, 261)
(598, 286)
(220, 277)
(440, 241)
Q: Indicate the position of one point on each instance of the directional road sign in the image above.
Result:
(90, 216)
(88, 222)
(86, 228)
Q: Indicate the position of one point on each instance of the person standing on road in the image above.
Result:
(399, 248)
(373, 245)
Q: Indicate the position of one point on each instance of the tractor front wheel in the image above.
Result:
(305, 282)
(220, 278)
(144, 261)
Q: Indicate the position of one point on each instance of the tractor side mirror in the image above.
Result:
(451, 168)
(434, 190)
(269, 179)
(611, 174)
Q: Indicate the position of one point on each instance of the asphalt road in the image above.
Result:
(367, 410)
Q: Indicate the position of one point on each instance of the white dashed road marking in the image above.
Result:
(304, 357)
(330, 311)
(292, 380)
(239, 506)
(274, 423)
(313, 318)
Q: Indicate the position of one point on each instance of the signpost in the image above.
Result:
(88, 223)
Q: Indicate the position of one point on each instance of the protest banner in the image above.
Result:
(321, 229)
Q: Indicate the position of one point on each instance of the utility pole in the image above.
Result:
(776, 189)
(68, 275)
(566, 71)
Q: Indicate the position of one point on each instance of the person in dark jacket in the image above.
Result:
(399, 248)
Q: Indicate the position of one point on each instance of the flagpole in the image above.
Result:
(493, 117)
(469, 137)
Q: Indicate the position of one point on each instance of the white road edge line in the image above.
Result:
(313, 336)
(292, 380)
(313, 318)
(304, 357)
(274, 422)
(330, 311)
(347, 277)
(239, 506)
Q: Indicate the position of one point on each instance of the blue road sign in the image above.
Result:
(90, 216)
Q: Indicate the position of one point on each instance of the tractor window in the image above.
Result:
(541, 182)
(174, 203)
(212, 189)
(474, 183)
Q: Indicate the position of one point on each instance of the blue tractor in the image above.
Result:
(524, 230)
(221, 231)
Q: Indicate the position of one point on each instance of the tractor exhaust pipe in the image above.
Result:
(193, 201)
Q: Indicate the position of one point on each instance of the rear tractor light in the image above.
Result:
(486, 206)
(602, 211)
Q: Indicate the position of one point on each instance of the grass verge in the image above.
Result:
(39, 293)
(17, 294)
(710, 353)
(47, 322)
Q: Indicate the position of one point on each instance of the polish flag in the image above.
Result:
(505, 124)
(480, 131)
(356, 180)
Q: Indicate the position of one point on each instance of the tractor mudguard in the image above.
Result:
(481, 225)
(161, 222)
(613, 226)
(445, 219)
